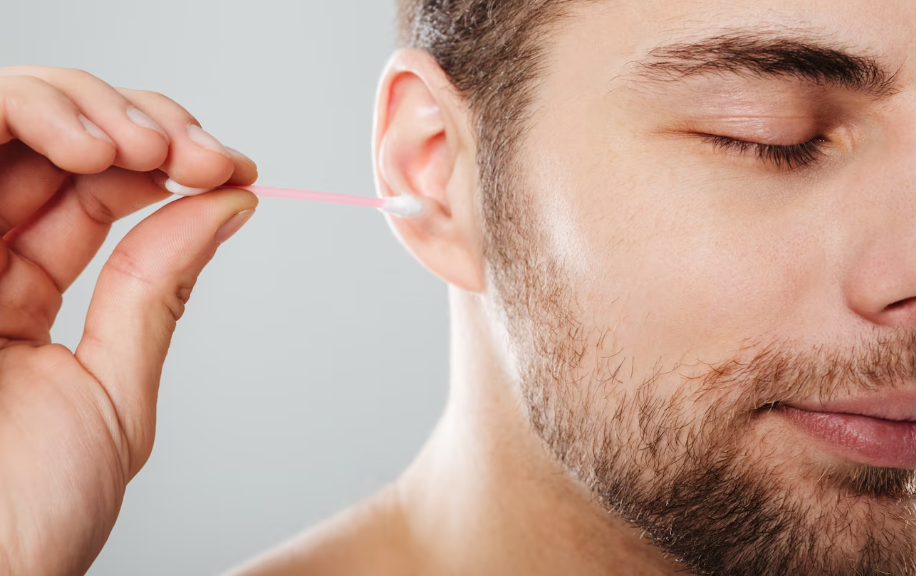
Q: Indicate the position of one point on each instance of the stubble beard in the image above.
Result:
(687, 470)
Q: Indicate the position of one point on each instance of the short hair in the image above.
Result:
(492, 51)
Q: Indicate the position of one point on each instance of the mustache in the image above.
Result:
(782, 372)
(737, 391)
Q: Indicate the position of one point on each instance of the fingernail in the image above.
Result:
(204, 140)
(176, 188)
(94, 130)
(143, 121)
(233, 225)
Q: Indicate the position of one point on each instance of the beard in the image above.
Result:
(694, 470)
(685, 472)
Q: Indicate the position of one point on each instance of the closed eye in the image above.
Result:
(781, 156)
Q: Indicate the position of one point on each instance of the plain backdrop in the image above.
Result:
(312, 362)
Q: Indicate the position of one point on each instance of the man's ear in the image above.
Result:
(423, 148)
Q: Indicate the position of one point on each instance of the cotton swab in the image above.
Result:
(403, 206)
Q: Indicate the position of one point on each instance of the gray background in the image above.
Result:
(312, 362)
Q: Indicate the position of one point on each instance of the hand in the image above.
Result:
(75, 427)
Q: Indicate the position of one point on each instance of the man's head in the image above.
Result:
(695, 224)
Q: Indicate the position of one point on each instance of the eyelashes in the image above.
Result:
(780, 156)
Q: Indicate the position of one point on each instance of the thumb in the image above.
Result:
(140, 296)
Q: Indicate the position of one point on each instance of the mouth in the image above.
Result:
(879, 432)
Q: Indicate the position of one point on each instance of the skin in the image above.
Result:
(685, 251)
(76, 426)
(688, 252)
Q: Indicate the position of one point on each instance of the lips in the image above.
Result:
(876, 432)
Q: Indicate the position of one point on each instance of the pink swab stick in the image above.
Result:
(404, 206)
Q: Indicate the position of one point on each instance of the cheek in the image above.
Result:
(701, 290)
(671, 280)
(717, 290)
(671, 261)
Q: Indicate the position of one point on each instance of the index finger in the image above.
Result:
(47, 121)
(195, 158)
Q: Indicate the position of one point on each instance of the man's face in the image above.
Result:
(715, 323)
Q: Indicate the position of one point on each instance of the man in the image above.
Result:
(680, 242)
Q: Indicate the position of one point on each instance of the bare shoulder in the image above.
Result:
(368, 540)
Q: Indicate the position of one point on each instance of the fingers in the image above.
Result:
(29, 301)
(68, 231)
(195, 159)
(244, 170)
(137, 131)
(48, 122)
(83, 125)
(140, 295)
(27, 181)
(141, 144)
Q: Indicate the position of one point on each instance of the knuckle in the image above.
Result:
(30, 295)
(63, 77)
(71, 77)
(73, 74)
(20, 94)
(128, 265)
(94, 207)
(162, 101)
(173, 301)
(25, 84)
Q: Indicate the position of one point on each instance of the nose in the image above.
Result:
(883, 288)
(880, 252)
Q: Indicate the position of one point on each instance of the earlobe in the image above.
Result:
(424, 149)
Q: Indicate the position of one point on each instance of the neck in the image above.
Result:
(486, 497)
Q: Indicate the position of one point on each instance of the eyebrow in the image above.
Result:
(769, 55)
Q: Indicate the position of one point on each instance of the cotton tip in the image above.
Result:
(402, 206)
(176, 188)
